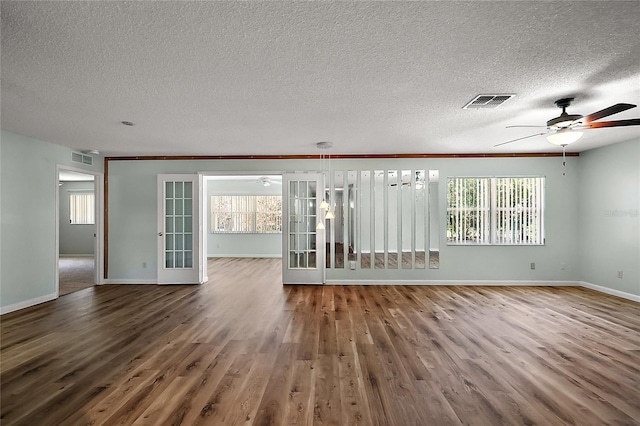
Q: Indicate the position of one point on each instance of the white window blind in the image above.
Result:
(469, 210)
(518, 210)
(268, 214)
(500, 210)
(246, 213)
(81, 209)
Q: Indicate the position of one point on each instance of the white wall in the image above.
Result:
(608, 217)
(241, 245)
(133, 239)
(74, 239)
(29, 184)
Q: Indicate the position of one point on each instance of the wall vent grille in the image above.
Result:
(487, 101)
(77, 157)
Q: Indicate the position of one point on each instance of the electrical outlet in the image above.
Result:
(352, 265)
(533, 265)
(620, 274)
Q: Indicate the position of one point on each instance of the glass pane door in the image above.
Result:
(303, 246)
(178, 215)
(178, 225)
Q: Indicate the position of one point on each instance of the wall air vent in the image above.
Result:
(77, 157)
(487, 101)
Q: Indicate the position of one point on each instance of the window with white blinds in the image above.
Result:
(246, 213)
(497, 210)
(81, 209)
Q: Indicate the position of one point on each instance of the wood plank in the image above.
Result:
(244, 350)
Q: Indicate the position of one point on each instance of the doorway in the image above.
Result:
(78, 230)
(241, 215)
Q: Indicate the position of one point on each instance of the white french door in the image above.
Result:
(303, 247)
(178, 229)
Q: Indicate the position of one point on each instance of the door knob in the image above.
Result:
(159, 234)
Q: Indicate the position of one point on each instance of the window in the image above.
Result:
(499, 210)
(81, 209)
(268, 214)
(246, 213)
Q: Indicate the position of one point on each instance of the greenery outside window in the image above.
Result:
(495, 210)
(246, 214)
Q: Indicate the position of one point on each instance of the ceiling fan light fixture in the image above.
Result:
(564, 137)
(564, 121)
(561, 130)
(265, 181)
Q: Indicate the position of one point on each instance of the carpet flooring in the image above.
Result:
(76, 273)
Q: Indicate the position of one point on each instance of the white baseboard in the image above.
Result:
(129, 281)
(77, 255)
(611, 291)
(28, 303)
(269, 256)
(503, 283)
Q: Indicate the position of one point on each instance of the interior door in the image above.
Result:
(303, 247)
(178, 236)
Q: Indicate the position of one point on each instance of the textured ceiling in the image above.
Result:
(242, 78)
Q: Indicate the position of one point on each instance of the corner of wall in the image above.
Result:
(608, 219)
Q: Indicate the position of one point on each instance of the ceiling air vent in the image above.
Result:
(76, 157)
(487, 101)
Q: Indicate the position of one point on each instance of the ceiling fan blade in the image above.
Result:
(522, 125)
(613, 109)
(619, 123)
(519, 139)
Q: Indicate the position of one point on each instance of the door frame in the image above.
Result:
(98, 191)
(204, 205)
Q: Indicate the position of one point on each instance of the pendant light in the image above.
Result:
(323, 146)
(324, 205)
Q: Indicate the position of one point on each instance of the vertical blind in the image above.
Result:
(518, 210)
(500, 210)
(81, 209)
(246, 213)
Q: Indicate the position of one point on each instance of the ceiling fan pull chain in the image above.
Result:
(564, 160)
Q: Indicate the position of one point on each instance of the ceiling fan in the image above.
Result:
(567, 128)
(267, 181)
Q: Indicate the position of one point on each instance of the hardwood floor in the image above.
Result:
(243, 349)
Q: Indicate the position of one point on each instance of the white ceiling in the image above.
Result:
(243, 78)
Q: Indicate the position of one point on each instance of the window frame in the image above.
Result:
(494, 209)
